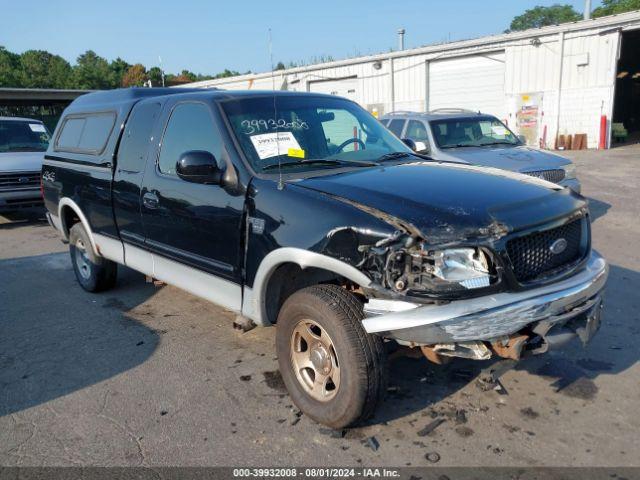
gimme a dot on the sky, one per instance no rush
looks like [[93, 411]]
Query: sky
[[208, 36]]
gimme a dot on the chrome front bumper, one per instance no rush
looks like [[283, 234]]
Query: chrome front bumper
[[491, 317]]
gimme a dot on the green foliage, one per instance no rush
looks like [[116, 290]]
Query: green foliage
[[612, 7], [9, 68], [34, 69], [190, 75], [155, 75], [543, 16], [226, 73], [118, 68], [41, 69], [93, 72]]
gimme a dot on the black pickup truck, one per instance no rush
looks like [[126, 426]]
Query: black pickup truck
[[302, 211]]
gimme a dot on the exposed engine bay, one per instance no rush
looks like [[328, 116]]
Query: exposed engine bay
[[407, 266]]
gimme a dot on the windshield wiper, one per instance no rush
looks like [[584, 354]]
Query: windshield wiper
[[393, 156], [462, 145], [326, 161], [497, 143]]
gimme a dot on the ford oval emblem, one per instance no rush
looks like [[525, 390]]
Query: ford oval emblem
[[23, 179], [558, 246]]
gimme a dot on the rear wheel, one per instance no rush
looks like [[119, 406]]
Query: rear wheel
[[334, 371], [94, 273]]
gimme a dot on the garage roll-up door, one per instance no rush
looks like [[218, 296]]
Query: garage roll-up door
[[474, 82], [344, 87]]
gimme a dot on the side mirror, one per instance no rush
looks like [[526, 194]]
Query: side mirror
[[522, 139], [421, 147], [409, 143], [198, 166]]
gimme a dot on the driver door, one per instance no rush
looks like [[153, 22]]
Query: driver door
[[194, 224]]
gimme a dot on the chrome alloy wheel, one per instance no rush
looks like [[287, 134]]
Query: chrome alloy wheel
[[82, 259], [314, 360]]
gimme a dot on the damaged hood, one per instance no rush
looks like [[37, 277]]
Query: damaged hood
[[448, 202]]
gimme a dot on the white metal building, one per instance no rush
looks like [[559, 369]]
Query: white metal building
[[558, 79]]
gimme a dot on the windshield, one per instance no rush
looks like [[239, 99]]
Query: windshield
[[307, 133], [472, 132], [23, 136]]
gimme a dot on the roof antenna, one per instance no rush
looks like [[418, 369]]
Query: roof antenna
[[275, 115], [161, 70]]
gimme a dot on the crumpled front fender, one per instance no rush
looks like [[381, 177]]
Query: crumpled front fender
[[489, 317]]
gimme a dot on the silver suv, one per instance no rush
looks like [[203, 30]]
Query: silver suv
[[23, 142], [468, 137]]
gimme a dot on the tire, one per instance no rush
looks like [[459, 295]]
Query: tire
[[94, 273], [331, 319]]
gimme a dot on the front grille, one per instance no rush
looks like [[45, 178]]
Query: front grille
[[19, 180], [531, 255], [555, 176]]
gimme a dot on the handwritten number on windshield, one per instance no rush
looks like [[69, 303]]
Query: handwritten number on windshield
[[262, 125]]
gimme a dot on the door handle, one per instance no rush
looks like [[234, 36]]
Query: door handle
[[150, 200]]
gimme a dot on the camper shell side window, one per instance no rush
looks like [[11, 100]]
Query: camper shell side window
[[86, 133]]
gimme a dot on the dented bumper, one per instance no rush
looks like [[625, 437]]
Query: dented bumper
[[495, 316]]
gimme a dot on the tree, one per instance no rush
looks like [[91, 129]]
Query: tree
[[543, 16], [171, 79], [227, 73], [92, 72], [118, 68], [155, 75], [135, 76], [41, 69], [280, 66], [189, 75], [9, 69], [612, 7]]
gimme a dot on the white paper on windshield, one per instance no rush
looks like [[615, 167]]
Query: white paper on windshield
[[37, 127], [499, 130], [273, 144]]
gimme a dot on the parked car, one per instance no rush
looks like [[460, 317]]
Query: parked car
[[302, 211], [458, 135], [23, 142]]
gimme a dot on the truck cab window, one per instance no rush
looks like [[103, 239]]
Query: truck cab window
[[190, 127], [137, 136]]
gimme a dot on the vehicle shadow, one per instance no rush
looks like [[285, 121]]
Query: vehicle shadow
[[597, 208], [57, 344], [417, 384]]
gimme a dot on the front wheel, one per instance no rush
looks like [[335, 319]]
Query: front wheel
[[94, 273], [333, 369]]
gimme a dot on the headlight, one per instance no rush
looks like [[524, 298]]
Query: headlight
[[421, 270], [569, 171], [468, 267]]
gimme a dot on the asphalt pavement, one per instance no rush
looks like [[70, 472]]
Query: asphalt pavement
[[152, 376]]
